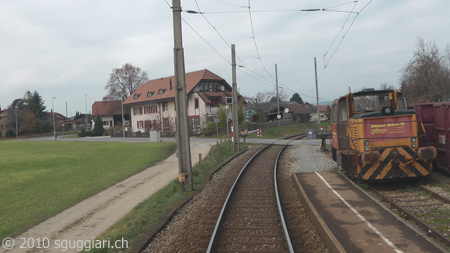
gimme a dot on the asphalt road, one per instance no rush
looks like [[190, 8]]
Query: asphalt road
[[171, 139]]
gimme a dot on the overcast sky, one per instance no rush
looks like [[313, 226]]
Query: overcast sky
[[67, 49]]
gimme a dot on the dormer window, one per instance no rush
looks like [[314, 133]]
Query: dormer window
[[161, 91], [136, 96], [150, 93]]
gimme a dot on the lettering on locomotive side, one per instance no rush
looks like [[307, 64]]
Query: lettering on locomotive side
[[379, 131], [390, 128]]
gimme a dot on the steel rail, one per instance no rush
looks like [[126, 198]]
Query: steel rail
[[419, 221], [216, 228], [283, 222]]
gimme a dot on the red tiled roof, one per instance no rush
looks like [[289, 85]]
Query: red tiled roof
[[295, 107], [168, 84], [323, 108], [106, 108]]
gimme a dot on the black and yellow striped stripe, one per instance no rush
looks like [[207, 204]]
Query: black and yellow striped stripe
[[399, 162]]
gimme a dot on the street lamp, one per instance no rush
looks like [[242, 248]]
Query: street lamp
[[53, 114], [17, 130], [85, 116]]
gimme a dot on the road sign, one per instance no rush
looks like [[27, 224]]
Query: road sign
[[216, 118], [310, 134]]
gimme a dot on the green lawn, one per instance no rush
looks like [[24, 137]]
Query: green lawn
[[39, 179], [292, 129]]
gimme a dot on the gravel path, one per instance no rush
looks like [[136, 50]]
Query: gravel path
[[311, 159]]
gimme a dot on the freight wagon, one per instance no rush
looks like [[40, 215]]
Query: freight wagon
[[435, 130]]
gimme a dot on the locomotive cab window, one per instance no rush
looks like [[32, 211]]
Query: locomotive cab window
[[334, 119], [342, 107]]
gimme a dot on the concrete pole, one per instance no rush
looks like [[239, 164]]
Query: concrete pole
[[123, 122], [184, 151], [85, 116], [53, 114], [17, 130], [235, 100], [278, 102], [317, 95]]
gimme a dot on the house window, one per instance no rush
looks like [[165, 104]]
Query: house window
[[137, 111], [136, 96], [166, 125], [165, 107], [161, 91], [196, 103], [105, 123], [150, 93], [140, 124], [147, 110], [154, 109]]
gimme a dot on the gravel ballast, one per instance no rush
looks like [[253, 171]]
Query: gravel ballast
[[187, 230]]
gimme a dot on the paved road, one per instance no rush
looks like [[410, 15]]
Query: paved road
[[171, 139]]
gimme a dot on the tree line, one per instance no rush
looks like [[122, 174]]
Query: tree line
[[30, 114], [426, 78]]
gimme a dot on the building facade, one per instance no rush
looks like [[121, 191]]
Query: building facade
[[152, 106]]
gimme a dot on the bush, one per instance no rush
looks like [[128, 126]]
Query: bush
[[82, 132], [210, 128], [90, 133]]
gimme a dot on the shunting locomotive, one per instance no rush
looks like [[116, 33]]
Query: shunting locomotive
[[375, 137]]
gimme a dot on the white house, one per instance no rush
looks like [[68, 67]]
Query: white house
[[153, 104]]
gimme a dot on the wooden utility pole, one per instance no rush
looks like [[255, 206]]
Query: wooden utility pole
[[183, 145], [235, 100]]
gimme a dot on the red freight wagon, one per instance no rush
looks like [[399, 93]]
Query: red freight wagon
[[436, 122]]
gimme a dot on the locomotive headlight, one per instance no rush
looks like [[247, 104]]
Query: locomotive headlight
[[366, 145], [413, 142]]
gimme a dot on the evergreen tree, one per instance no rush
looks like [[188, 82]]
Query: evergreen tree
[[98, 128], [296, 98]]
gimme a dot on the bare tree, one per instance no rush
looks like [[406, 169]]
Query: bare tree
[[426, 78], [261, 102], [386, 86], [124, 81]]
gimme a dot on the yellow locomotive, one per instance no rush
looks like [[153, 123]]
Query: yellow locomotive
[[375, 137]]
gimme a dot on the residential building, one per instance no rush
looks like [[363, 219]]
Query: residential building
[[152, 106], [78, 121], [3, 122], [111, 113]]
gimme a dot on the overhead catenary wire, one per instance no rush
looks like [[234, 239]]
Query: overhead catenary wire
[[244, 69], [345, 34]]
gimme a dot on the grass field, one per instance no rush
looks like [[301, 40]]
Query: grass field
[[39, 179], [272, 133]]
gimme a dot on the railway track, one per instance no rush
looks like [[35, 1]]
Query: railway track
[[251, 218], [428, 209]]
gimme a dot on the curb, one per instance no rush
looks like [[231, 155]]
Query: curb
[[328, 237]]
